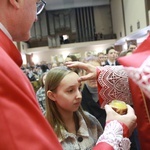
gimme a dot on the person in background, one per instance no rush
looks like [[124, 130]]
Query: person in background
[[61, 64], [39, 71], [129, 52], [72, 57], [23, 125], [44, 68], [132, 47], [111, 57], [31, 76], [90, 99], [101, 57], [117, 55], [54, 64], [41, 92]]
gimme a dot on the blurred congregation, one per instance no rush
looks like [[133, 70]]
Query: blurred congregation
[[35, 71]]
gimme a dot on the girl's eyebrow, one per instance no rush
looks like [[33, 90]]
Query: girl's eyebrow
[[71, 86]]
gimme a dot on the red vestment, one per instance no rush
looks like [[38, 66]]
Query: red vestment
[[22, 124], [135, 66]]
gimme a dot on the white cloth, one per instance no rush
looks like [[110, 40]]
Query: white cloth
[[113, 135]]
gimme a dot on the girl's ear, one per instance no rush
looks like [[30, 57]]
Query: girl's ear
[[15, 3], [50, 95]]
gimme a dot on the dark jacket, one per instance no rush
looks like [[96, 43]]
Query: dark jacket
[[106, 63], [89, 105]]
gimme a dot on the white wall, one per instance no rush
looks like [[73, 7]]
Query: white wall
[[117, 18], [102, 17], [134, 11], [64, 4]]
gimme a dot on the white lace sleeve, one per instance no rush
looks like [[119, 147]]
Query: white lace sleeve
[[113, 135]]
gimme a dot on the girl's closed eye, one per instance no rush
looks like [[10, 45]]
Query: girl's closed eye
[[70, 90], [80, 88]]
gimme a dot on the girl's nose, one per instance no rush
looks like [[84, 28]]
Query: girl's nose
[[79, 96]]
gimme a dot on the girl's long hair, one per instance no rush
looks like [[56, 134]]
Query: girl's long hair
[[53, 79]]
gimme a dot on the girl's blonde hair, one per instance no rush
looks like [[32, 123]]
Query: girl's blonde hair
[[53, 79]]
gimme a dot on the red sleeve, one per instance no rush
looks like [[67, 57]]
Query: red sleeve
[[125, 130], [22, 125], [140, 60], [103, 146]]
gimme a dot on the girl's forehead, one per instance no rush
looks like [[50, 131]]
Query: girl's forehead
[[70, 79]]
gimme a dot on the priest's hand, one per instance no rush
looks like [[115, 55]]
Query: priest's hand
[[91, 72]]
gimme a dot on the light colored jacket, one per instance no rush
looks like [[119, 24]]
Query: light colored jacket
[[86, 136]]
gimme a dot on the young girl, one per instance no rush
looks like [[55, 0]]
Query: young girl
[[74, 128]]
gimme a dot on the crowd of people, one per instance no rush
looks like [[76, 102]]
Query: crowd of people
[[64, 124]]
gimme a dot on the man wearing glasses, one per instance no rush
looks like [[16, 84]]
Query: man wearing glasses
[[22, 124]]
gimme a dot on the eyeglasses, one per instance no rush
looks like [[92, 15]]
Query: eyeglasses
[[40, 6]]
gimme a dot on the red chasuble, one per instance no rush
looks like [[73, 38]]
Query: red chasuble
[[22, 125], [131, 84], [138, 69]]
